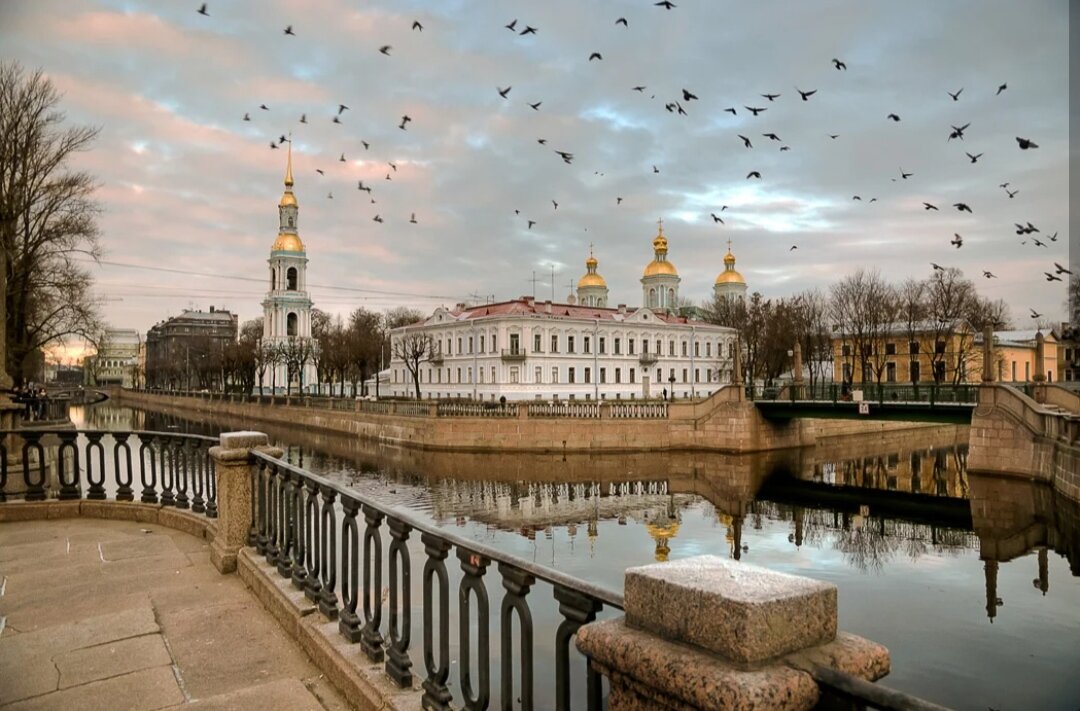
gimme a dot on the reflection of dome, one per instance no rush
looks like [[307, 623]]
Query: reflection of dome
[[662, 531], [287, 242]]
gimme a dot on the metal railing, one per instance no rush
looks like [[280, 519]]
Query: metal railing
[[930, 393], [639, 410], [170, 469], [40, 410], [476, 409], [581, 410], [295, 525]]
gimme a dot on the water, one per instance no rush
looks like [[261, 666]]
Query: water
[[968, 582]]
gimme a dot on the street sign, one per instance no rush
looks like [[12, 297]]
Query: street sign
[[864, 408]]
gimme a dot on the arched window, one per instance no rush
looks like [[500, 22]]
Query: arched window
[[291, 221], [290, 324], [273, 278], [652, 298], [671, 298], [291, 277]]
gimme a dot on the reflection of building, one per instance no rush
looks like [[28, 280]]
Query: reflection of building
[[181, 346], [117, 359], [923, 354], [287, 306]]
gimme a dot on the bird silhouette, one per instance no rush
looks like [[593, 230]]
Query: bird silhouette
[[894, 117], [342, 158], [289, 31], [567, 157], [716, 218], [273, 145], [638, 88], [536, 106], [806, 94], [1032, 228], [1005, 185], [531, 223], [281, 139], [745, 140], [793, 247], [958, 131], [1026, 143], [303, 118], [834, 136], [973, 157], [388, 177], [335, 119], [957, 241], [928, 206], [937, 267], [385, 49], [595, 55], [365, 144], [504, 92], [839, 65], [618, 201], [754, 111], [542, 141], [417, 26], [1060, 269], [412, 219], [1001, 88], [771, 136], [753, 174], [341, 108], [873, 199], [856, 197], [989, 275], [360, 186], [785, 148], [404, 120], [1011, 193], [666, 4], [687, 96], [555, 204], [320, 171], [1034, 313], [247, 117], [731, 110], [330, 195], [771, 97], [956, 96], [904, 175], [962, 207], [264, 107], [622, 21], [202, 10], [1051, 277], [512, 26], [1053, 237], [392, 165], [529, 30], [377, 219], [1037, 243]]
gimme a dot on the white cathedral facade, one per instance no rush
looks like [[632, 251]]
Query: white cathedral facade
[[287, 307], [526, 349]]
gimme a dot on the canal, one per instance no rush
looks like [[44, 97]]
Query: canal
[[973, 583]]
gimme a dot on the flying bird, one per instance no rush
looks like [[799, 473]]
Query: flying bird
[[745, 140], [655, 169], [856, 197], [622, 21], [273, 145], [392, 165], [512, 26], [731, 110], [1010, 193], [771, 136], [957, 241], [904, 175], [288, 31], [247, 117], [360, 186], [377, 219], [330, 195], [687, 96], [531, 223], [716, 218], [365, 144], [839, 65], [1051, 277], [973, 157], [1038, 243], [834, 136], [956, 96], [928, 206], [412, 219], [404, 120], [264, 107], [1060, 269], [595, 55], [504, 92], [567, 157], [1053, 237], [555, 204], [894, 117], [1002, 88], [805, 94], [341, 108], [303, 118], [320, 171], [385, 49], [542, 141], [937, 267], [754, 111], [536, 106], [666, 4], [873, 199], [785, 148], [989, 275], [958, 131], [962, 207], [335, 120], [202, 10], [753, 174], [417, 26], [638, 88], [793, 247], [618, 201], [1026, 143], [342, 158], [1005, 185], [1034, 313], [529, 30], [771, 97]]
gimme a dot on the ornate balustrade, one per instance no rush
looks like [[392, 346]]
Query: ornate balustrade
[[581, 410], [476, 409], [638, 410]]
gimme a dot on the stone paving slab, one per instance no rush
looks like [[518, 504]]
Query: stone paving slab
[[106, 615]]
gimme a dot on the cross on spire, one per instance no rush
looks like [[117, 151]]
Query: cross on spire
[[729, 245], [660, 224]]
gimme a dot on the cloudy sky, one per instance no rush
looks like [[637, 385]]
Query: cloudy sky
[[187, 185]]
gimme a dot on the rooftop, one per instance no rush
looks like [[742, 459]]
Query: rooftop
[[527, 306]]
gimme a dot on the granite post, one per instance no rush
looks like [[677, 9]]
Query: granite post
[[797, 370], [234, 464], [713, 634], [988, 354]]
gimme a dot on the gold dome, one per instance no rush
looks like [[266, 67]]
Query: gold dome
[[729, 275], [659, 244], [287, 242], [591, 280], [287, 199], [656, 267], [591, 262], [660, 265]]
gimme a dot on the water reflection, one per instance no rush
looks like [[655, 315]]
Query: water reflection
[[925, 554]]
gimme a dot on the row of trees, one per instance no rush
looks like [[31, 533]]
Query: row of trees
[[867, 310]]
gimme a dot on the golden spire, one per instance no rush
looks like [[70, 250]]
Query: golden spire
[[288, 166]]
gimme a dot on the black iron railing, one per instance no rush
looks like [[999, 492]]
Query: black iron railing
[[339, 565], [929, 393], [164, 468]]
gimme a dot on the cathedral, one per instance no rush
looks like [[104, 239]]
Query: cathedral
[[584, 349], [287, 306]]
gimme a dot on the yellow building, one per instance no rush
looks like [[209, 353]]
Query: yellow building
[[903, 355]]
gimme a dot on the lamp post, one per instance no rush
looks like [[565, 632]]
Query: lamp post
[[671, 391]]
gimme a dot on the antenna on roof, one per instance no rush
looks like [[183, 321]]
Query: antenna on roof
[[533, 280], [552, 281]]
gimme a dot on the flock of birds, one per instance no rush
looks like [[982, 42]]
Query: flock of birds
[[678, 106]]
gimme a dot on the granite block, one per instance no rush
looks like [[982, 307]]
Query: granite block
[[744, 613]]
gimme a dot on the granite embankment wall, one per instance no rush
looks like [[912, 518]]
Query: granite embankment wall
[[722, 423]]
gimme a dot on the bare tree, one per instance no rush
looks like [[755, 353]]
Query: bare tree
[[47, 220], [413, 350], [949, 302], [912, 317]]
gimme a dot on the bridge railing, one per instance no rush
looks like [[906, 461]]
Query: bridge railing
[[930, 393], [39, 411]]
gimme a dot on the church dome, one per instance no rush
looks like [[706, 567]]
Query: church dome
[[660, 266], [591, 278], [657, 267], [287, 242], [729, 275], [287, 199]]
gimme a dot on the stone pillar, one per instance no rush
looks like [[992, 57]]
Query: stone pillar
[[988, 355], [710, 633], [796, 370], [234, 464]]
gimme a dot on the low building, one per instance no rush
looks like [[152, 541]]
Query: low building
[[184, 352], [117, 359], [1016, 357]]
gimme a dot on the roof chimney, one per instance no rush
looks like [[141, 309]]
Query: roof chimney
[[211, 308], [547, 306], [622, 308], [530, 300]]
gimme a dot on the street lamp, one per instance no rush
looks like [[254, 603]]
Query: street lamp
[[671, 392]]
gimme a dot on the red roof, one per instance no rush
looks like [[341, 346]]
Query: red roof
[[528, 307]]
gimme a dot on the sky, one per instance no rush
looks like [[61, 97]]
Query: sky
[[187, 185]]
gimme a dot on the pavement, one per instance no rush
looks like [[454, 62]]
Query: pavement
[[98, 614]]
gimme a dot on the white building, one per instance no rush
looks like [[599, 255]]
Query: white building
[[287, 306], [526, 349], [117, 359]]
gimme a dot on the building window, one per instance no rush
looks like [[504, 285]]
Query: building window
[[939, 347], [603, 345], [459, 375], [570, 375], [569, 344], [480, 374], [291, 278], [588, 375], [290, 324], [1014, 371], [618, 375], [845, 351], [513, 374], [659, 375], [633, 375], [939, 372], [493, 375], [539, 375], [671, 348], [684, 349], [468, 372], [916, 376], [847, 372], [618, 346], [697, 349], [554, 375], [890, 349], [555, 344], [913, 348], [536, 343], [603, 375], [697, 375], [470, 345], [890, 372], [481, 344], [1027, 371], [460, 350], [587, 344], [708, 349], [515, 341], [630, 346], [684, 375]]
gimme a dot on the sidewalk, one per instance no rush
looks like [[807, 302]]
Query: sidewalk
[[99, 614]]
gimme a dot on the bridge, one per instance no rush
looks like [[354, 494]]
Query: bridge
[[80, 396], [935, 402]]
